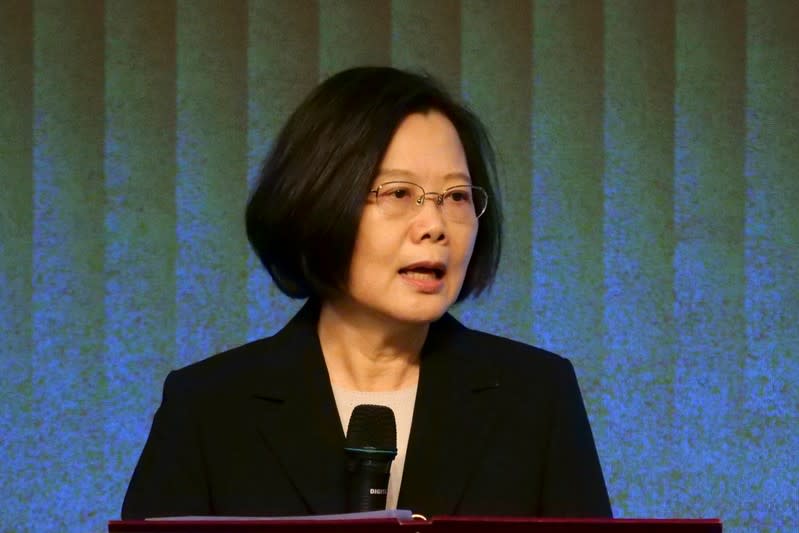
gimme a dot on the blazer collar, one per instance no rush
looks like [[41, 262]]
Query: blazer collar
[[297, 415], [453, 416]]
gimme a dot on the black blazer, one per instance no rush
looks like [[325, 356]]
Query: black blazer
[[498, 428]]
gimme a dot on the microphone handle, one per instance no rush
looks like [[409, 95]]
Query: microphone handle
[[368, 483]]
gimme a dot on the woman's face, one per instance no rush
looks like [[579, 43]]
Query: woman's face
[[411, 267]]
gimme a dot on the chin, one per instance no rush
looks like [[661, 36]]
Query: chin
[[417, 312]]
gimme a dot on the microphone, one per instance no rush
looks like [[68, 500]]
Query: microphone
[[371, 446]]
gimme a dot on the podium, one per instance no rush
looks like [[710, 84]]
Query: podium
[[437, 524]]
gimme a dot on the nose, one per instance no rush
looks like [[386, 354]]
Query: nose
[[429, 221]]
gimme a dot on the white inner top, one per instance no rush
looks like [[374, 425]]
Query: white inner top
[[401, 402]]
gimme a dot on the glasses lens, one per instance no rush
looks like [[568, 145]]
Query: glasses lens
[[464, 203], [397, 197]]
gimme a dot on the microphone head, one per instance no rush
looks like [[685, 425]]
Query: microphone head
[[372, 427]]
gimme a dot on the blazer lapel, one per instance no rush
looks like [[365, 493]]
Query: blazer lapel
[[297, 415], [454, 416]]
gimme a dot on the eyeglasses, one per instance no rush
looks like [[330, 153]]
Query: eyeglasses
[[461, 203]]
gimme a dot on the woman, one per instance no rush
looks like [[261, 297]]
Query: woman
[[377, 204]]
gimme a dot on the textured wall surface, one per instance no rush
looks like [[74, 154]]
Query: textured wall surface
[[649, 156]]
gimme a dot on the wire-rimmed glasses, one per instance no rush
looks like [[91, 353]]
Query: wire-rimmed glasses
[[461, 203]]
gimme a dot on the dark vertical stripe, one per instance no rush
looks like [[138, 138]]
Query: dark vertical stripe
[[709, 268], [69, 384], [17, 433], [497, 85], [639, 250], [568, 162], [427, 36], [769, 414], [283, 66], [353, 33], [140, 226], [211, 189]]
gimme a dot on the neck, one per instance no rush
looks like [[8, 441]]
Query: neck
[[369, 352]]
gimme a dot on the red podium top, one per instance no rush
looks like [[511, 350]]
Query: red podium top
[[443, 524]]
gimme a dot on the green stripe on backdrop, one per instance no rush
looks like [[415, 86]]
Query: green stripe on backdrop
[[16, 251], [69, 383], [497, 84], [357, 32], [639, 250], [769, 418], [283, 66], [568, 162], [426, 36], [140, 248], [709, 268], [211, 188]]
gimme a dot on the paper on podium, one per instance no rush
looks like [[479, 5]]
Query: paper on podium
[[398, 514]]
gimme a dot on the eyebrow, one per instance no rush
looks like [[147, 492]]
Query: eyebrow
[[408, 174]]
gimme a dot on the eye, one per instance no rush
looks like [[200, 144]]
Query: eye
[[395, 192], [460, 196]]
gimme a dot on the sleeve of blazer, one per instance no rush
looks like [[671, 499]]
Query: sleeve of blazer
[[169, 478], [573, 484]]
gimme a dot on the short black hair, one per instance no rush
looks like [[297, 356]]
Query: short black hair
[[302, 218]]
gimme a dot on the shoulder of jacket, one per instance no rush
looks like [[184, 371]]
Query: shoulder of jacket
[[512, 355], [225, 371]]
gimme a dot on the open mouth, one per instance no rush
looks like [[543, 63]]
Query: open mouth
[[423, 272]]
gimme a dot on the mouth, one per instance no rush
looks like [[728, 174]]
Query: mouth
[[425, 270]]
